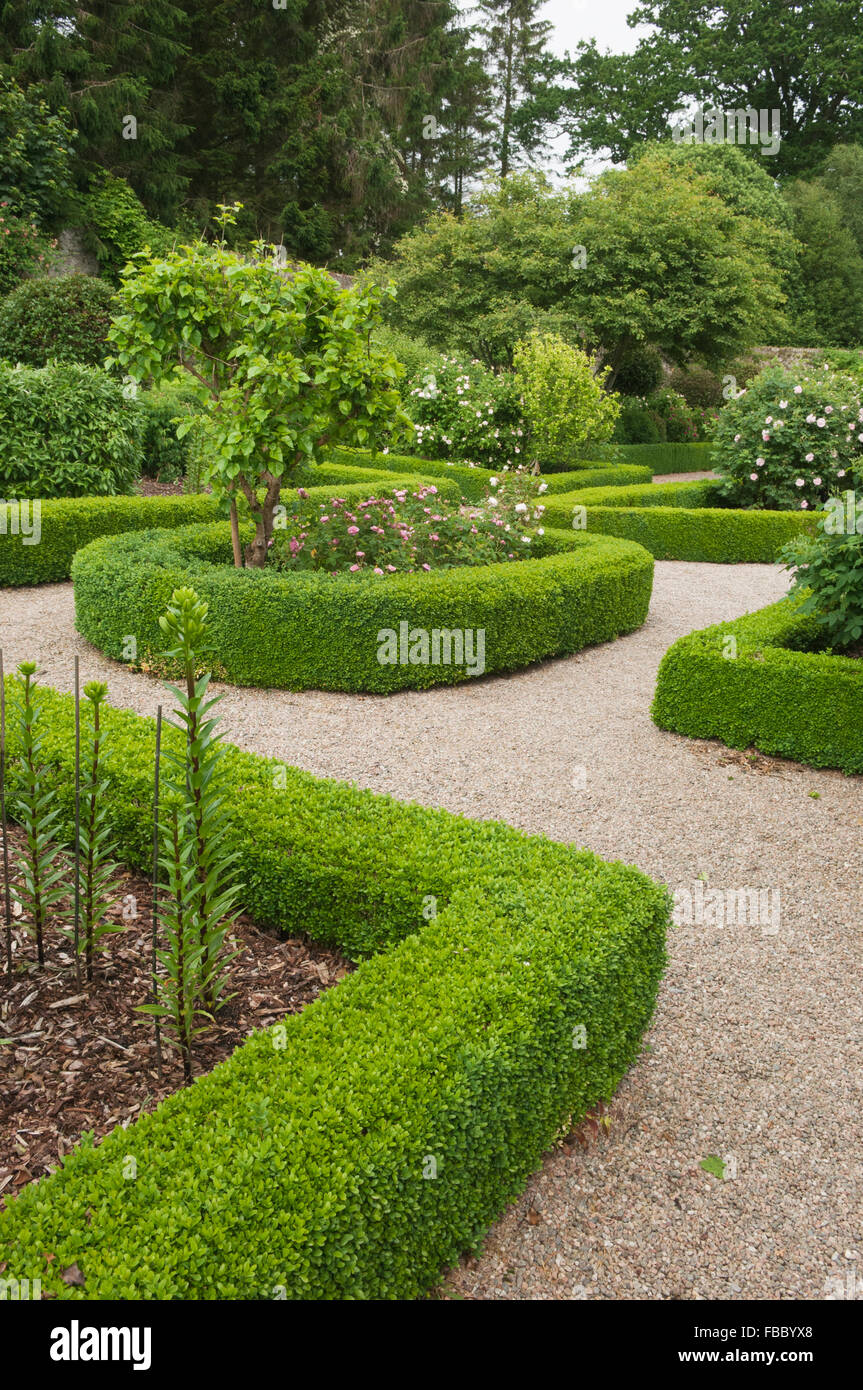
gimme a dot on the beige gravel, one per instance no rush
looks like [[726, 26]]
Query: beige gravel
[[756, 1049]]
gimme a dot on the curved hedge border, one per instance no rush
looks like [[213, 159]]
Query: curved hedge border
[[320, 631], [474, 481], [70, 523], [775, 694], [303, 1160]]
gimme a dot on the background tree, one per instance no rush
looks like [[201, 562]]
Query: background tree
[[520, 66], [826, 292], [806, 60], [479, 284], [103, 63], [667, 262]]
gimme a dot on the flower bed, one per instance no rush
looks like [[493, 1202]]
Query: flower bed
[[361, 1146], [314, 630], [761, 682]]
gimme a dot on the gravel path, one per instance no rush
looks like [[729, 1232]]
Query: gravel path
[[756, 1049]]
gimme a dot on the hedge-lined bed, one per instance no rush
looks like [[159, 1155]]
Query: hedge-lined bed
[[70, 523], [311, 630], [778, 693], [303, 1162]]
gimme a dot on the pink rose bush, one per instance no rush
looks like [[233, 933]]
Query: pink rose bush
[[790, 441], [406, 532]]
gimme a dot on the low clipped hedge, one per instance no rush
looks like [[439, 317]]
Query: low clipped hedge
[[691, 494], [358, 1148], [474, 482], [67, 524], [686, 529], [313, 630], [771, 689], [669, 458]]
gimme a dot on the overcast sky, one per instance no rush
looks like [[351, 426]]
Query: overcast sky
[[573, 20], [603, 20]]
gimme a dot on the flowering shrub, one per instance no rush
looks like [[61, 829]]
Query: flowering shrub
[[789, 441], [466, 413], [404, 533], [23, 249]]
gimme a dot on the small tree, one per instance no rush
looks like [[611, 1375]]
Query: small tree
[[281, 356], [565, 407]]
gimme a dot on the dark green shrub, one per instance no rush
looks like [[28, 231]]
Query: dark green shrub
[[636, 424], [66, 431], [698, 386], [640, 373], [761, 681], [677, 423], [302, 1167], [64, 317], [164, 455]]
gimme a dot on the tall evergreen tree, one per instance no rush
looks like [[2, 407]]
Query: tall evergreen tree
[[112, 65], [521, 68]]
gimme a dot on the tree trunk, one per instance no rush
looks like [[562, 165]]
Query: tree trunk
[[235, 535], [256, 550]]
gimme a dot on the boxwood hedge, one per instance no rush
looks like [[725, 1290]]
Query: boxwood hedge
[[321, 631], [474, 481], [719, 535], [669, 458], [358, 1148], [770, 689]]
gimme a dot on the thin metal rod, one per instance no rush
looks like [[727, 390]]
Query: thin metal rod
[[77, 824], [155, 896], [7, 901]]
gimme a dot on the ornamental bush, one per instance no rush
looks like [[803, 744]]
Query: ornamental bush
[[566, 409], [789, 440], [66, 431], [166, 455], [640, 372], [465, 411], [64, 318]]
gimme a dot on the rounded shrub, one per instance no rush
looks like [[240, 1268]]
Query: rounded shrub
[[66, 431], [314, 630], [64, 317], [640, 373], [789, 441], [636, 424], [698, 386], [165, 456]]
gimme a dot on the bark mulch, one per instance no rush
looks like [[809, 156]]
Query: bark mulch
[[82, 1059]]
